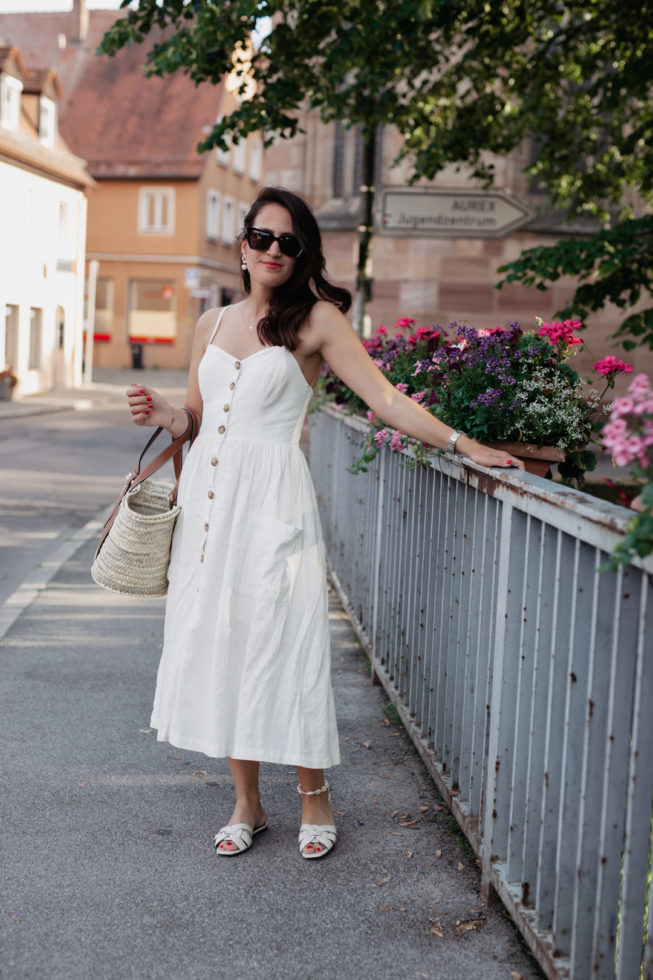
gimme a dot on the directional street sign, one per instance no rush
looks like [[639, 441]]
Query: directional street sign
[[449, 213]]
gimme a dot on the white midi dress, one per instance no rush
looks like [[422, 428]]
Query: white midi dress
[[245, 667]]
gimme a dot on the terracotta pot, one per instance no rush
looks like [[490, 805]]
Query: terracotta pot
[[537, 459], [6, 387]]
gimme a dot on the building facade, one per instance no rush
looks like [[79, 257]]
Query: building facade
[[162, 218], [440, 278], [43, 190]]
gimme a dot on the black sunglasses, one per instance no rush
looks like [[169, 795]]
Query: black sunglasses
[[261, 241]]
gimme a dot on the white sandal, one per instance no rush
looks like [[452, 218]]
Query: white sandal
[[324, 835], [239, 834]]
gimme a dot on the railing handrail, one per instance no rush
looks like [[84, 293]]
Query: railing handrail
[[604, 514], [522, 672]]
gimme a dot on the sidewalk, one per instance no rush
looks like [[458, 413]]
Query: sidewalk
[[109, 871], [106, 390]]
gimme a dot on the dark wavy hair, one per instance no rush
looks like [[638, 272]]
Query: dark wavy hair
[[292, 301]]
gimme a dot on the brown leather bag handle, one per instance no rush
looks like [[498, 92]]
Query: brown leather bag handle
[[137, 476]]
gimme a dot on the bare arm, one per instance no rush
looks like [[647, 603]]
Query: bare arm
[[148, 407], [344, 353]]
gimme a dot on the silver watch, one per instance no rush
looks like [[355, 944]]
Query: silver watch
[[453, 439]]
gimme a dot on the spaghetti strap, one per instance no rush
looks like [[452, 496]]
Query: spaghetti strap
[[216, 327]]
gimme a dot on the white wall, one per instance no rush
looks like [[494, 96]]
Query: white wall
[[42, 267]]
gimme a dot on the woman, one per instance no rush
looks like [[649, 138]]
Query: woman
[[244, 671]]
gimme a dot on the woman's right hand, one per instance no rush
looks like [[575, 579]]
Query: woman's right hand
[[148, 407]]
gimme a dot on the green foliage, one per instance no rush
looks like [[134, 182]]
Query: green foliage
[[614, 265], [458, 79], [360, 61]]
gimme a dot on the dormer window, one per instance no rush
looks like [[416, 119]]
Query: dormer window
[[10, 90], [47, 121]]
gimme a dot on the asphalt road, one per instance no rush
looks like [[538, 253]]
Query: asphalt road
[[108, 872]]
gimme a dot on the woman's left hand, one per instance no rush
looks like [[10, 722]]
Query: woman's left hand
[[485, 456]]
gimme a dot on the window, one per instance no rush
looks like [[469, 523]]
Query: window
[[11, 336], [35, 340], [104, 309], [239, 156], [10, 89], [156, 210], [228, 219], [47, 121], [242, 212], [152, 311], [255, 158], [223, 156], [67, 229], [348, 160], [212, 215]]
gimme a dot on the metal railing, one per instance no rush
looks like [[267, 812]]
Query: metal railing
[[524, 675]]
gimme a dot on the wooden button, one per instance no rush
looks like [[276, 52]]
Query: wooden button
[[214, 461], [211, 495], [237, 365], [201, 557], [226, 408], [206, 527], [232, 386], [221, 429]]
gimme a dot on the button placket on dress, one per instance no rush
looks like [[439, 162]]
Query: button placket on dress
[[215, 458]]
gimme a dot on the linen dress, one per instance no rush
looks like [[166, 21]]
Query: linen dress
[[245, 667]]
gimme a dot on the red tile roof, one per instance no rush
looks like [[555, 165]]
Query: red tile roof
[[123, 124]]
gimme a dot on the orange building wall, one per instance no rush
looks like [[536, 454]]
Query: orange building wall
[[124, 253]]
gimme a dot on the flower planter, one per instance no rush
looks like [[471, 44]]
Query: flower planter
[[537, 459], [7, 383]]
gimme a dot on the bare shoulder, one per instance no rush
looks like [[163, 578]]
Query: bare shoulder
[[324, 323], [208, 320], [204, 328]]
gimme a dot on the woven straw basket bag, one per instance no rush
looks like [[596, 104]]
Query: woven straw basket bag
[[135, 555], [134, 550]]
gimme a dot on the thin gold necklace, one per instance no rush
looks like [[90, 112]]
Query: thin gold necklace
[[250, 326]]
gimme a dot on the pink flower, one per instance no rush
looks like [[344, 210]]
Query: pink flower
[[621, 452], [622, 406], [419, 396], [557, 331], [371, 416], [640, 385], [378, 361], [616, 428], [610, 365], [381, 437], [396, 442], [403, 323], [380, 331], [403, 388]]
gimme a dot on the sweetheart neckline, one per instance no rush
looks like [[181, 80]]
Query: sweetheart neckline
[[263, 350]]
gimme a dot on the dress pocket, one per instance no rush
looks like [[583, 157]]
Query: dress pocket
[[266, 564]]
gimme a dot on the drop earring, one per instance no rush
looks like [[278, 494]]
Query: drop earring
[[243, 263]]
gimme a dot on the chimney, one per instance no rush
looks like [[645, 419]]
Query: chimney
[[80, 22]]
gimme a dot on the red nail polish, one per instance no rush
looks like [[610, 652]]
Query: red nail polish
[[142, 390], [148, 398], [147, 413], [508, 462]]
